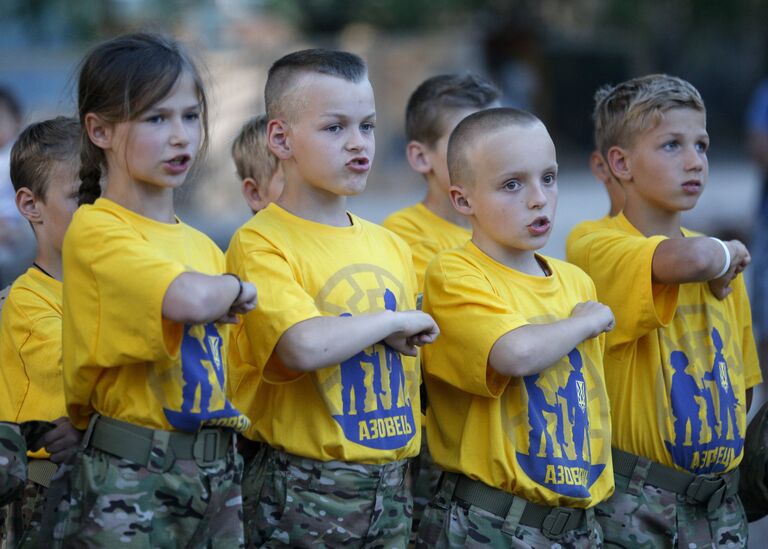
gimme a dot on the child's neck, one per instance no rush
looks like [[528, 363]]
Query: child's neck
[[438, 202], [149, 201], [315, 205], [48, 260], [520, 260], [651, 220]]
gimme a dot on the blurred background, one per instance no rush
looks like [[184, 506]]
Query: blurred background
[[547, 56]]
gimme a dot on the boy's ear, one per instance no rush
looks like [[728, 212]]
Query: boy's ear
[[26, 203], [99, 131], [420, 162], [277, 139], [460, 199], [253, 194], [618, 163]]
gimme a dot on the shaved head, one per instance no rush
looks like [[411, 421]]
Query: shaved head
[[279, 94], [473, 128]]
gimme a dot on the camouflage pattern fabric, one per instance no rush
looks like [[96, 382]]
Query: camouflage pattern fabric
[[13, 462], [23, 519], [449, 523], [105, 501], [425, 478], [305, 502], [253, 480], [639, 515], [753, 483]]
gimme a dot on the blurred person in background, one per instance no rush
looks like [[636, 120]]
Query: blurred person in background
[[11, 223], [757, 135]]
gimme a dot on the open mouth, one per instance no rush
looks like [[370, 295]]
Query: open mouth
[[539, 226], [359, 164], [178, 164]]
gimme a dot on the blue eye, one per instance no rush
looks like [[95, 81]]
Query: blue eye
[[670, 145], [702, 146], [512, 185], [192, 116], [549, 179], [155, 118], [335, 128], [367, 126]]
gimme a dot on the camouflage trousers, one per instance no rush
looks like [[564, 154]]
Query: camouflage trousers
[[644, 516], [255, 460], [106, 501], [425, 478], [23, 517], [450, 523], [305, 502], [13, 462]]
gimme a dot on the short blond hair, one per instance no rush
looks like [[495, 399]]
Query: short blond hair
[[624, 111], [250, 152]]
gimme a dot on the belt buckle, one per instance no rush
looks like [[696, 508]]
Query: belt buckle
[[555, 523], [707, 490], [206, 446]]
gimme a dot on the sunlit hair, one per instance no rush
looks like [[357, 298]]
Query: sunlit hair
[[38, 148], [475, 126], [122, 78], [284, 73], [438, 97], [625, 111], [250, 152]]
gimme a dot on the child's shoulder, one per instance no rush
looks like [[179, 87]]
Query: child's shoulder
[[405, 219], [32, 296], [458, 262]]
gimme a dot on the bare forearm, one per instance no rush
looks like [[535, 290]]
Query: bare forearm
[[196, 298], [535, 347], [682, 260], [323, 341]]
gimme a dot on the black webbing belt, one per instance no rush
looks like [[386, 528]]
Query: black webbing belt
[[554, 522], [708, 490]]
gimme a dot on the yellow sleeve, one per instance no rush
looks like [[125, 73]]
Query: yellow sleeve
[[114, 285], [621, 266], [752, 373], [283, 302], [471, 317], [131, 278], [14, 382]]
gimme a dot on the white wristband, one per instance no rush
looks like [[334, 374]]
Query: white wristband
[[727, 263]]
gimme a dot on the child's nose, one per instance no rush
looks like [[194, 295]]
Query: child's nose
[[537, 197]]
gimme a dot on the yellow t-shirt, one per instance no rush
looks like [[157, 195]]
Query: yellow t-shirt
[[545, 437], [364, 410], [121, 358], [426, 233], [30, 350], [678, 362]]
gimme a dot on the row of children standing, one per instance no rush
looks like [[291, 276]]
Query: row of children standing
[[165, 353]]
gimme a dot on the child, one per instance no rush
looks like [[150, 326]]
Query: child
[[144, 300], [434, 109], [682, 358], [603, 174], [333, 342], [44, 166], [518, 414], [258, 169], [433, 225]]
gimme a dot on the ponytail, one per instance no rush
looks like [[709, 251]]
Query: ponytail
[[91, 160]]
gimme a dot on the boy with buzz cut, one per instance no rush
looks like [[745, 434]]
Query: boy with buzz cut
[[433, 110], [44, 171], [681, 361], [518, 414], [331, 380], [258, 169]]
